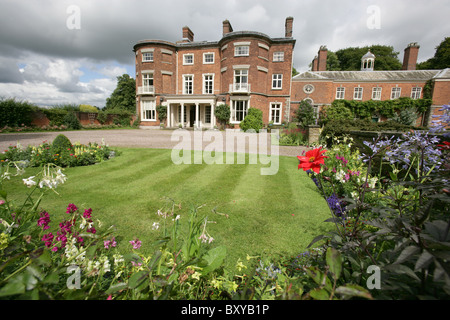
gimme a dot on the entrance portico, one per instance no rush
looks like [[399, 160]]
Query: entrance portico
[[196, 112]]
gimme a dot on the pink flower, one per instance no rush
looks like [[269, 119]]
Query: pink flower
[[110, 243], [87, 213], [47, 239], [136, 244], [2, 202], [71, 208], [44, 220]]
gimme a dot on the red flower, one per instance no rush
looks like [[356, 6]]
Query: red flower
[[445, 146], [312, 160]]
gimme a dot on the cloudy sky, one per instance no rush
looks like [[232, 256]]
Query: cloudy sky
[[69, 51]]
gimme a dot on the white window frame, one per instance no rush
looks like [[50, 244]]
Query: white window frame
[[187, 55], [148, 110], [241, 74], [234, 111], [148, 55], [275, 107], [396, 93], [277, 81], [278, 56], [416, 92], [340, 93], [208, 78], [241, 50], [358, 93], [205, 54], [376, 93], [188, 79]]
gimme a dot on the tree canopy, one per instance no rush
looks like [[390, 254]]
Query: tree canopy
[[124, 96], [441, 59], [349, 59]]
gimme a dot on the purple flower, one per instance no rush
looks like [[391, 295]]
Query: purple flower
[[47, 239], [87, 213], [136, 244], [110, 243]]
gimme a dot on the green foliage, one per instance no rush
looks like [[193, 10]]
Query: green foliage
[[407, 117], [15, 113], [337, 111], [386, 58], [305, 114], [162, 112], [71, 121], [253, 120], [223, 113], [441, 58], [60, 144], [88, 108], [292, 137], [124, 96]]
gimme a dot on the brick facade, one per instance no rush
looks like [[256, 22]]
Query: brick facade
[[246, 69], [243, 69]]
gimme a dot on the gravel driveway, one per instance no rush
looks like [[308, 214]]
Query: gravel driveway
[[138, 138]]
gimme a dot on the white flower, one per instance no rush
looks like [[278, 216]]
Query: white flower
[[155, 226], [29, 182]]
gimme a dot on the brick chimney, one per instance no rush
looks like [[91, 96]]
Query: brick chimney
[[227, 28], [314, 64], [188, 35], [288, 27], [322, 59], [410, 57]]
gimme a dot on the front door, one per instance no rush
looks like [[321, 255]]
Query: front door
[[192, 116]]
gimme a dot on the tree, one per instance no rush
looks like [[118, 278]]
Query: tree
[[333, 63], [253, 120], [386, 58], [305, 114], [124, 96], [223, 113], [441, 59]]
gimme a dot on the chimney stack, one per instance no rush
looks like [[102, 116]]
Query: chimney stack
[[188, 35], [288, 27], [227, 28], [410, 57], [314, 64], [322, 59]]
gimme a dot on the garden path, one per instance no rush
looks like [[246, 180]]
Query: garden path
[[160, 139]]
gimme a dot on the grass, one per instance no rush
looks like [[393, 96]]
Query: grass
[[274, 214]]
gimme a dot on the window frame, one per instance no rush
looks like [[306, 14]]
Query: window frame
[[148, 53], [186, 81], [206, 81], [273, 109], [234, 111], [184, 59], [277, 83], [396, 93], [358, 93], [239, 53], [376, 93], [415, 91], [204, 58], [151, 109], [340, 91], [278, 56]]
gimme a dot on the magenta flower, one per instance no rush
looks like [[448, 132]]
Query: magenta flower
[[44, 220], [91, 230], [110, 243], [71, 208], [87, 213], [136, 244], [47, 239]]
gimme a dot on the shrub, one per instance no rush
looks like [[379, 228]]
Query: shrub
[[88, 108], [60, 144], [15, 113], [71, 121], [337, 111], [305, 114], [253, 120], [223, 113]]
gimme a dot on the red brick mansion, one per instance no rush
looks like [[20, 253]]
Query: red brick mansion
[[248, 69]]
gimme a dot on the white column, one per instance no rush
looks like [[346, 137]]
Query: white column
[[197, 115], [168, 116], [213, 117], [182, 115]]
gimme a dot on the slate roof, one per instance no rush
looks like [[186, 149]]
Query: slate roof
[[373, 76]]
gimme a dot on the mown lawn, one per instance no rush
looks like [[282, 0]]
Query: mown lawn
[[274, 214]]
